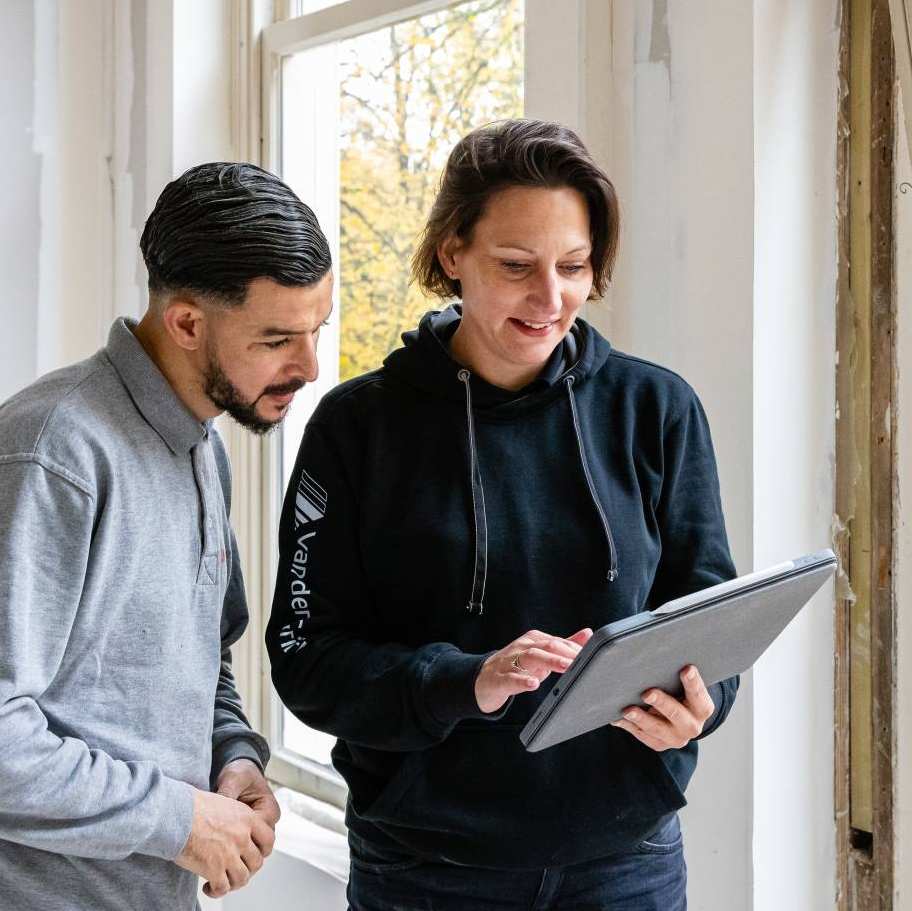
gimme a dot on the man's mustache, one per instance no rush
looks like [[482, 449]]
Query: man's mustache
[[284, 389]]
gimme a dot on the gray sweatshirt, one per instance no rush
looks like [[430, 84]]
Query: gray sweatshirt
[[120, 593]]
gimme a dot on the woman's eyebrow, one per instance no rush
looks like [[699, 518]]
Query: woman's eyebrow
[[579, 249]]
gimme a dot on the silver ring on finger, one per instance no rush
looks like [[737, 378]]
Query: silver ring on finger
[[516, 663]]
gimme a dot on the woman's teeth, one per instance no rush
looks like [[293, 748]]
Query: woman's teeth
[[534, 325]]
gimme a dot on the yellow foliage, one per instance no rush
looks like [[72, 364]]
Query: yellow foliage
[[430, 81]]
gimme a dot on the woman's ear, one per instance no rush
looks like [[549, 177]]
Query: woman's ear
[[446, 256]]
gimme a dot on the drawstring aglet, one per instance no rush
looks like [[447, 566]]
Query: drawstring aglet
[[612, 575], [470, 607]]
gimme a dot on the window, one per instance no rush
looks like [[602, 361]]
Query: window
[[361, 116]]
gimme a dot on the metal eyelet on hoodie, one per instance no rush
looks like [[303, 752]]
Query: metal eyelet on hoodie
[[480, 575], [612, 552]]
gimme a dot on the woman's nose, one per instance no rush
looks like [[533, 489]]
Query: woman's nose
[[547, 293]]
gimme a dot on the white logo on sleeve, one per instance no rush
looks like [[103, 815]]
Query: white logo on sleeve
[[310, 506], [310, 500]]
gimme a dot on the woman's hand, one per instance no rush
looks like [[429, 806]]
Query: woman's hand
[[522, 665], [669, 723]]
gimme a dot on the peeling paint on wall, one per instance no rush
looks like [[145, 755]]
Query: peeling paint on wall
[[660, 42]]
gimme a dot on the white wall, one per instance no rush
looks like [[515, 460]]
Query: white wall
[[682, 159], [20, 226], [68, 235], [722, 145], [795, 275]]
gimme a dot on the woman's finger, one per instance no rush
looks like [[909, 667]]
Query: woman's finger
[[653, 725], [569, 646], [696, 694], [666, 705], [652, 742], [518, 682], [560, 646], [679, 715], [581, 638], [541, 662]]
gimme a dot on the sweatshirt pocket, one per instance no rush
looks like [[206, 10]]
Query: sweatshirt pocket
[[489, 801]]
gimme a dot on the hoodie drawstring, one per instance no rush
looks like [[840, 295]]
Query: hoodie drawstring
[[480, 577], [612, 552]]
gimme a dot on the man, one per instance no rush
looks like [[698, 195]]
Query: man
[[120, 586]]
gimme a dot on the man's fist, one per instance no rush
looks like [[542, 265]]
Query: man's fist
[[227, 844]]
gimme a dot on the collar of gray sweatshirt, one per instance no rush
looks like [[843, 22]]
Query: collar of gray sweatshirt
[[120, 593]]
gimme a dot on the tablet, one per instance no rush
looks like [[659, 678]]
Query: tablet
[[721, 630]]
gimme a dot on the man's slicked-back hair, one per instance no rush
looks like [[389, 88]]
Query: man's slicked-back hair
[[220, 225], [515, 153]]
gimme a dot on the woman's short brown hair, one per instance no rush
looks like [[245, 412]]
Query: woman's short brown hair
[[515, 153]]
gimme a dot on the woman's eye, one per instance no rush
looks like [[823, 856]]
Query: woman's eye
[[279, 344], [573, 268], [514, 267]]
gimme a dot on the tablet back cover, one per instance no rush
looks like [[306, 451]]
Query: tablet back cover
[[721, 640]]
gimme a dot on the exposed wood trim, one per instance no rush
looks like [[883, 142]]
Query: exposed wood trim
[[865, 472], [883, 435], [844, 324]]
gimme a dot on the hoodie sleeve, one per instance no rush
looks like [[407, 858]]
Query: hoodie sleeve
[[695, 553], [56, 792], [330, 663]]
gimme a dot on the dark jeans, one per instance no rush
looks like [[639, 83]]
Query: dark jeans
[[651, 877]]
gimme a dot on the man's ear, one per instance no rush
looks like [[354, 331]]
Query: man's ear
[[185, 322]]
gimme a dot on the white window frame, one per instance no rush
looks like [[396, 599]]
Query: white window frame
[[567, 54]]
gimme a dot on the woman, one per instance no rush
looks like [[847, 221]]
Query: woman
[[505, 477]]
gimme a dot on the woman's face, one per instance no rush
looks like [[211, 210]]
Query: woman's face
[[524, 275]]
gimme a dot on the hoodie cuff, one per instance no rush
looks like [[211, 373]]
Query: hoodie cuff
[[717, 694], [448, 689], [170, 836], [241, 747]]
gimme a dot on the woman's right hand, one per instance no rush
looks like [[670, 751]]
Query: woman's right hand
[[522, 665]]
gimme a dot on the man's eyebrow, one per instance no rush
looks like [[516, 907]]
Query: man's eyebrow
[[271, 331]]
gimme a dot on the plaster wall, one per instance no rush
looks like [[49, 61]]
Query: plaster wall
[[681, 155], [795, 103], [20, 221], [723, 152]]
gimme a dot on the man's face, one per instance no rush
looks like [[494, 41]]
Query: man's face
[[259, 354]]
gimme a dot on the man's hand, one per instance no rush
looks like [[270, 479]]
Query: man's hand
[[227, 843], [522, 665], [670, 724], [242, 780]]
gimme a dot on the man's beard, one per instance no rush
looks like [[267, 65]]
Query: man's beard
[[225, 395]]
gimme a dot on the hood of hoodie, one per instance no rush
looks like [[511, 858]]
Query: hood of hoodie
[[424, 362]]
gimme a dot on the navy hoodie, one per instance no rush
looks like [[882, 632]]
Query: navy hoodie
[[431, 519]]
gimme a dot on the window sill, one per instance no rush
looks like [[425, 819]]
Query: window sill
[[313, 832]]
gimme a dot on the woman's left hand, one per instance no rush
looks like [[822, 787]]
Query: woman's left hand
[[669, 723]]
